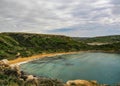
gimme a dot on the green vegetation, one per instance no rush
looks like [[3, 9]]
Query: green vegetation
[[101, 39], [114, 47], [13, 45], [103, 43]]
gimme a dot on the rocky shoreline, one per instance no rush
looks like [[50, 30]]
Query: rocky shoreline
[[22, 79]]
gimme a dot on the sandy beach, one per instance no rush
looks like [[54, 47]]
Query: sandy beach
[[22, 60]]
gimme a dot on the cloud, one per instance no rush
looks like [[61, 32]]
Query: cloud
[[60, 16], [116, 6], [91, 30]]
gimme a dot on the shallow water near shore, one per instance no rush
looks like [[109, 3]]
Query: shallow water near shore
[[103, 67]]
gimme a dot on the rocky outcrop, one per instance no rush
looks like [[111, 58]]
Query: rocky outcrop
[[81, 83], [30, 77], [4, 63], [19, 78], [10, 75]]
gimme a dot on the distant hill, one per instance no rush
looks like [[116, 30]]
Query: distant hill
[[13, 45], [101, 39], [102, 43]]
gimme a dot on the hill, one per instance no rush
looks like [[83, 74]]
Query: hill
[[13, 45], [102, 43], [101, 39]]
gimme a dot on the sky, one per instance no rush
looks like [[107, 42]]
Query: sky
[[78, 18]]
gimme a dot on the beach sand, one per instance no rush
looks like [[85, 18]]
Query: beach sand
[[22, 60]]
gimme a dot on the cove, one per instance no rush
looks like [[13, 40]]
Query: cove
[[103, 67]]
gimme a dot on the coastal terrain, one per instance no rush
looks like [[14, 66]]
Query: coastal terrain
[[20, 48]]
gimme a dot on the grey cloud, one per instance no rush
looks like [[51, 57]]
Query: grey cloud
[[116, 2], [116, 6], [11, 9], [92, 30], [116, 10], [55, 15]]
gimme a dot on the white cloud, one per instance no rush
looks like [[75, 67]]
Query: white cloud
[[43, 15]]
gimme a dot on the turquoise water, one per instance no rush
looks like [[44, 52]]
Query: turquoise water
[[103, 67]]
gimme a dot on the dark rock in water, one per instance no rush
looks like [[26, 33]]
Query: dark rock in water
[[36, 62], [69, 64]]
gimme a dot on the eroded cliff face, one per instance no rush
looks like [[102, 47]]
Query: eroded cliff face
[[10, 75]]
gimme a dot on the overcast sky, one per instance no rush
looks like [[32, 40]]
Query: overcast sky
[[66, 17]]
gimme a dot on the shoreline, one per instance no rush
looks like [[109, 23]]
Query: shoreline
[[22, 60]]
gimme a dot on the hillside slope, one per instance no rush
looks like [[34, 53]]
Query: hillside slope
[[13, 45], [102, 43], [101, 39]]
